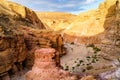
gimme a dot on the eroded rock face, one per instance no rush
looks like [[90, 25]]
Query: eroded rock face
[[20, 36], [32, 17], [36, 39], [12, 49], [19, 43], [45, 67], [19, 46], [56, 20], [21, 13]]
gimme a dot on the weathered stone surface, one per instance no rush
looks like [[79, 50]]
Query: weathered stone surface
[[18, 46], [46, 68], [35, 39], [56, 20], [32, 17], [20, 36], [4, 8], [13, 49], [17, 9], [21, 13]]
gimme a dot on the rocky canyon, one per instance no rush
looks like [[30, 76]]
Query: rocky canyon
[[59, 46]]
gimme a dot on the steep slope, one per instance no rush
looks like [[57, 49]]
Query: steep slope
[[92, 22], [88, 23], [21, 13], [56, 20], [21, 33]]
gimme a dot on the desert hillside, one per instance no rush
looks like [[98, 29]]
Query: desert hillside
[[56, 20], [55, 15], [88, 23]]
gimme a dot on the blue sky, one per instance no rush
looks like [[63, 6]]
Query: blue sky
[[71, 6]]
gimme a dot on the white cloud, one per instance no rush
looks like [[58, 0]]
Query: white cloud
[[75, 12], [73, 6], [89, 1]]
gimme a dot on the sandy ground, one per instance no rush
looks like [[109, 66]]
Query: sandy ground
[[78, 52]]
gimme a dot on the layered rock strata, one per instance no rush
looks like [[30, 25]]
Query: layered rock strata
[[20, 36], [36, 39], [17, 47]]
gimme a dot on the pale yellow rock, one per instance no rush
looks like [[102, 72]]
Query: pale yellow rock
[[4, 8], [87, 24], [10, 8], [18, 9]]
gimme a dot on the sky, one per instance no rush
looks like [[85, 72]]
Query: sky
[[70, 6]]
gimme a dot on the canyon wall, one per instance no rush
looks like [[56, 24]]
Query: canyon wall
[[21, 33], [99, 26]]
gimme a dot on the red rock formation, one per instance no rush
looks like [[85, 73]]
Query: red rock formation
[[35, 39], [45, 67]]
